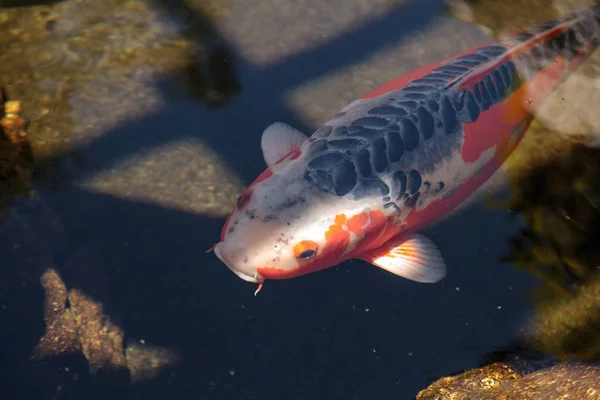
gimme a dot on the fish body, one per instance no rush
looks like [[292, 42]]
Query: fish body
[[398, 159]]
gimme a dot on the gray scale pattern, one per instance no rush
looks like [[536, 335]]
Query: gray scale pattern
[[400, 140]]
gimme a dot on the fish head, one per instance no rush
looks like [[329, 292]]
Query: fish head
[[284, 226]]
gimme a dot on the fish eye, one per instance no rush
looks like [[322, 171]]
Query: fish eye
[[307, 254], [306, 249]]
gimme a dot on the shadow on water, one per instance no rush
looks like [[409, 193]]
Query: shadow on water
[[211, 75], [235, 132]]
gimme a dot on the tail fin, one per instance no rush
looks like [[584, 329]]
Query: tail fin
[[550, 54]]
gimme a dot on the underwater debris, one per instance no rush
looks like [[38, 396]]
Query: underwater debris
[[76, 323]]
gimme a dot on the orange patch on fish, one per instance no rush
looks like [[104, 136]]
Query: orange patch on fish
[[357, 223], [374, 232], [492, 128], [337, 237], [375, 228], [504, 125]]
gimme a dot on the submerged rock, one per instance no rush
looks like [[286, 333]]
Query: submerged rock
[[568, 380], [76, 323], [479, 380]]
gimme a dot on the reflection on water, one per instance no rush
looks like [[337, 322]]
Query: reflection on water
[[553, 182], [142, 113], [555, 193], [553, 185], [558, 243], [558, 198]]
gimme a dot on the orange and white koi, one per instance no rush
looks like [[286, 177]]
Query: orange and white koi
[[398, 159]]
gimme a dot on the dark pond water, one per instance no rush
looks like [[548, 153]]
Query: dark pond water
[[349, 332]]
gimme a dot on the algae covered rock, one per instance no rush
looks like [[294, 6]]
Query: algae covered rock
[[461, 386], [76, 323], [501, 381]]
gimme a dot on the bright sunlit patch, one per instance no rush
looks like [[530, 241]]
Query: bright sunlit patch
[[288, 24], [186, 175]]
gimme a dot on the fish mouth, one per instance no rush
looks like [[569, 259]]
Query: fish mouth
[[246, 277]]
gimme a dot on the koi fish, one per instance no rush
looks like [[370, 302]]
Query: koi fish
[[398, 159]]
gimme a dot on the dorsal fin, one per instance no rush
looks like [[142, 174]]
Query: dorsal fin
[[479, 72]]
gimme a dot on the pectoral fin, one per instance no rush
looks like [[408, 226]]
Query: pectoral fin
[[278, 140], [411, 256]]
